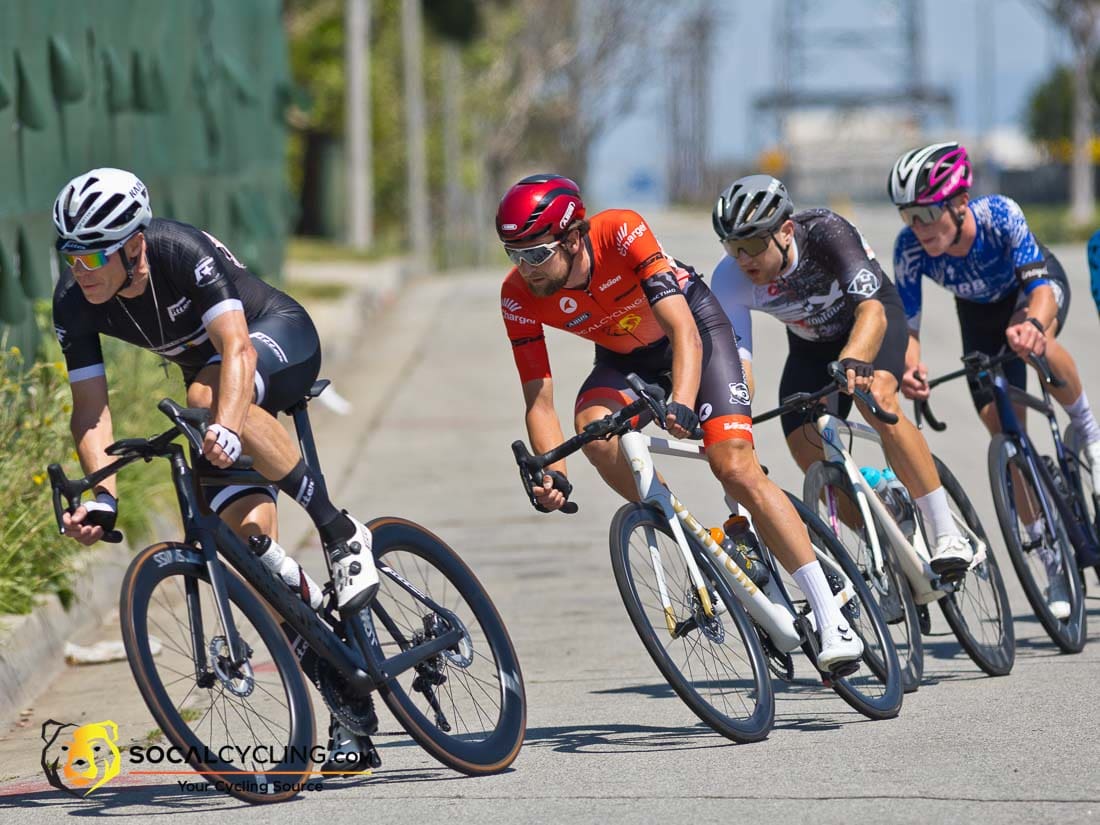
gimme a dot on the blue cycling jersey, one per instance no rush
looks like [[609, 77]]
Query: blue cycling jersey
[[1003, 258]]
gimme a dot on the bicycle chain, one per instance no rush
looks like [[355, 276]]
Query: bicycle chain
[[356, 713]]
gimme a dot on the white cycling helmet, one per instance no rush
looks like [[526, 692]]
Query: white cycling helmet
[[99, 209]]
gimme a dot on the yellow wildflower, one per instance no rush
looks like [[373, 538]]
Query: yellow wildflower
[[39, 479]]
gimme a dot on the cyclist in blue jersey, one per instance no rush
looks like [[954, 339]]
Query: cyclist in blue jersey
[[1094, 268], [1008, 288]]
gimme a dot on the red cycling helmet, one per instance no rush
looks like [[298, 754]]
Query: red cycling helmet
[[538, 204]]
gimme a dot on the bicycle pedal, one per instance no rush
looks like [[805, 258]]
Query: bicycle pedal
[[845, 670]]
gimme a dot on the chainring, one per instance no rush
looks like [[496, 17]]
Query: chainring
[[354, 712]]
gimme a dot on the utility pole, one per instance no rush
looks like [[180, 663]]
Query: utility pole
[[357, 129], [412, 46], [456, 221]]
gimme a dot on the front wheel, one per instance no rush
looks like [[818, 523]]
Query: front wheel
[[828, 489], [229, 719], [466, 705], [1038, 562], [977, 605], [714, 663]]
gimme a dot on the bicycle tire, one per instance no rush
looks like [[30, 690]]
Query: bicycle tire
[[760, 702], [986, 582], [467, 753], [1079, 464], [880, 657], [1069, 635], [149, 569], [892, 593]]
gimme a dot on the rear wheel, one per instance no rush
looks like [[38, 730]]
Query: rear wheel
[[466, 705], [875, 690], [829, 490], [977, 605], [715, 664], [1017, 501]]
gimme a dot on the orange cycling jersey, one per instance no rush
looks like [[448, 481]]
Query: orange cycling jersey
[[630, 272]]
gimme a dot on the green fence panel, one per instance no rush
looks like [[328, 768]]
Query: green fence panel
[[189, 95]]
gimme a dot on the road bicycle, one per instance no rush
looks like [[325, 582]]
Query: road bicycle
[[228, 687], [712, 632], [1054, 491], [894, 558]]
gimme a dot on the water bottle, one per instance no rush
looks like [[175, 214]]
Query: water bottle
[[902, 506], [276, 560], [741, 545]]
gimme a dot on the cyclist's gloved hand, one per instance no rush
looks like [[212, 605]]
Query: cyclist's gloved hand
[[681, 420], [860, 374], [102, 512], [554, 493], [222, 446]]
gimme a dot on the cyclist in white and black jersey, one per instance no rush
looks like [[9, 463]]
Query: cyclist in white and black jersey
[[246, 351], [814, 272]]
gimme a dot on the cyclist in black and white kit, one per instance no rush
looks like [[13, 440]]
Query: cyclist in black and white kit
[[246, 351], [814, 272]]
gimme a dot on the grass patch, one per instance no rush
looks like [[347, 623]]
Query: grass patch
[[306, 291], [1051, 224], [35, 404], [311, 249]]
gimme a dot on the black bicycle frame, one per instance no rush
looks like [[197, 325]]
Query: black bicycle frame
[[205, 531]]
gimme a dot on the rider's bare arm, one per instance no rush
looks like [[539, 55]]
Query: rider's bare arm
[[674, 316], [91, 427], [867, 332], [1042, 305], [543, 426], [229, 335]]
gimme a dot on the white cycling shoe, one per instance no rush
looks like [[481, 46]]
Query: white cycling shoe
[[839, 646], [1058, 597], [354, 576], [952, 556]]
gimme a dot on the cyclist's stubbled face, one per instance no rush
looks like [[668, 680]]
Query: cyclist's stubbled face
[[765, 267], [99, 285], [551, 275]]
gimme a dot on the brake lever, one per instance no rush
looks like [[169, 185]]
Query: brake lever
[[530, 474], [62, 487], [1043, 366], [840, 376]]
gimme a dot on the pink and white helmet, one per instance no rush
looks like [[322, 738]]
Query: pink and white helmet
[[930, 174]]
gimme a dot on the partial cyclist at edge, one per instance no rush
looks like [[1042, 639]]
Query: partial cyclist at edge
[[607, 279], [1008, 288], [246, 351], [813, 271]]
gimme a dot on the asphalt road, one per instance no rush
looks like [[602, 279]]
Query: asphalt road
[[435, 405]]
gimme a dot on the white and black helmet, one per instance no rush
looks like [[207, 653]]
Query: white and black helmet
[[99, 209], [753, 205]]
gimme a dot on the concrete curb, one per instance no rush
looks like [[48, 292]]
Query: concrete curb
[[31, 646]]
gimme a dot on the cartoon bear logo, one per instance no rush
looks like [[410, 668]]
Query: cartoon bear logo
[[80, 759]]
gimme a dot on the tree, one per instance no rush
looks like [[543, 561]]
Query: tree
[[1081, 20]]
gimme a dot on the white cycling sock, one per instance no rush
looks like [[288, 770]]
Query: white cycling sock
[[1034, 530], [1080, 413], [811, 580], [937, 513]]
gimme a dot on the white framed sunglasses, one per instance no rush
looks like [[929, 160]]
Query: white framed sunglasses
[[532, 255]]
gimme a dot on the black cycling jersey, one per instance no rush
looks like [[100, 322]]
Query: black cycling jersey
[[193, 278], [831, 271]]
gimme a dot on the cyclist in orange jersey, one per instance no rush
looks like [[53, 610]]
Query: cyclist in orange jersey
[[607, 279]]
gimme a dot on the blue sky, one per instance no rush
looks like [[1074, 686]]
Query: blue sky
[[1024, 48]]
